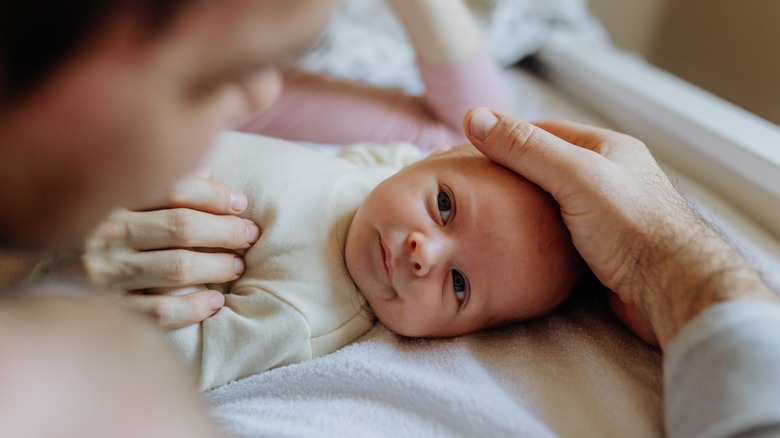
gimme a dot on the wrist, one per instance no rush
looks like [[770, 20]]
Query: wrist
[[687, 269], [62, 263]]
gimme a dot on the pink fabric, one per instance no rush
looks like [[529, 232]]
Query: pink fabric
[[317, 108]]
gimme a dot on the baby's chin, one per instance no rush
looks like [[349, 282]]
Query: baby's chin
[[417, 327], [397, 326], [377, 295]]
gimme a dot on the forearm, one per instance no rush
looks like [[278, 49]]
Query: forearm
[[451, 90], [455, 66], [688, 268], [441, 31], [327, 110]]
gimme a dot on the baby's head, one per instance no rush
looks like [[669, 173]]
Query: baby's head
[[456, 243]]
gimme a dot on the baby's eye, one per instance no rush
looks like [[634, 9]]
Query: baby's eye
[[444, 205], [459, 285]]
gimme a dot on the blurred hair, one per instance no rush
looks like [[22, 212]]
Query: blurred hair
[[37, 36]]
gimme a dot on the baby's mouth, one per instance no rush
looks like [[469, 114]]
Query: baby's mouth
[[386, 260]]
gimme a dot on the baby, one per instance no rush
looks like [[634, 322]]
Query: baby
[[448, 245]]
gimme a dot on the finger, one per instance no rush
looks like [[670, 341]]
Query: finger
[[202, 194], [178, 311], [170, 268], [579, 134], [615, 146], [179, 228], [548, 161]]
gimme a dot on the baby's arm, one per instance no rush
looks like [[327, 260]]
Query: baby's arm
[[457, 71], [442, 32], [454, 63]]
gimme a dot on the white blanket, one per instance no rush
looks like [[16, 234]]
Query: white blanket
[[577, 373], [366, 42]]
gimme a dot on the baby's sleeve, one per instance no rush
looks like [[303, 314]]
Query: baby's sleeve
[[319, 109], [453, 89], [254, 331]]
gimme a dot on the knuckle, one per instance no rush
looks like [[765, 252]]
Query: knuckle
[[105, 272], [97, 271], [620, 145], [519, 134], [115, 228], [182, 226], [176, 194], [163, 313], [181, 269], [220, 194], [606, 148], [173, 197], [190, 311], [173, 312], [629, 144], [169, 311], [94, 270]]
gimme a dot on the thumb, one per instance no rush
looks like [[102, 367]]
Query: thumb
[[546, 160]]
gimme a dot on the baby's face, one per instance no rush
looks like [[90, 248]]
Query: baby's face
[[456, 243]]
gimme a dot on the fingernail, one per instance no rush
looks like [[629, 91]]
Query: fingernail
[[482, 122], [252, 232], [238, 201], [216, 300], [238, 265]]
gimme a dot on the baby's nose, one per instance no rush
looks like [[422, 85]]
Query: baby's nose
[[425, 251]]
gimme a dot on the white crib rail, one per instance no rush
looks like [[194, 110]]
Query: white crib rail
[[727, 149]]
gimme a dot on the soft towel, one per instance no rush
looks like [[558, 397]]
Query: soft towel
[[576, 373]]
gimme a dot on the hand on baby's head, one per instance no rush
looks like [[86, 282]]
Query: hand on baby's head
[[456, 243]]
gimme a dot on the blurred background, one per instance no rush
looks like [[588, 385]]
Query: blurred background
[[730, 48]]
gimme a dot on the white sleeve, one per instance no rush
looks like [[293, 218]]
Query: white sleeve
[[722, 373]]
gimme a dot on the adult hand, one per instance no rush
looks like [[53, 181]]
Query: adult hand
[[637, 234], [188, 237]]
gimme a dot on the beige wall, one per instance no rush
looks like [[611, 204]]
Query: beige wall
[[633, 24], [729, 47]]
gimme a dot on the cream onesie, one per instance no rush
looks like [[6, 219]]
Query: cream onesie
[[295, 300]]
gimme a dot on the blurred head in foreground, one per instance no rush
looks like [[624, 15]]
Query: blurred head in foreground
[[118, 98]]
